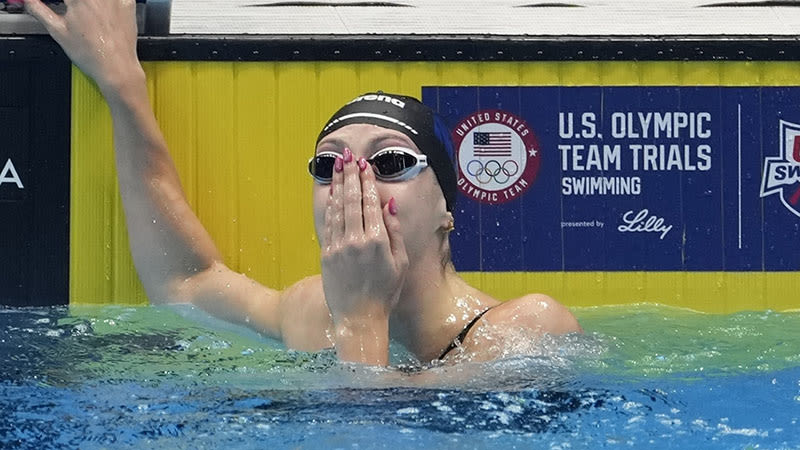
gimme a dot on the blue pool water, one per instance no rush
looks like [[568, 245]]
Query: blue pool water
[[641, 376]]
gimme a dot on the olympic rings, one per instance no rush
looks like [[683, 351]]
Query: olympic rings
[[492, 170]]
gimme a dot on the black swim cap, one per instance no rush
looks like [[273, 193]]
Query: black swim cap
[[410, 117]]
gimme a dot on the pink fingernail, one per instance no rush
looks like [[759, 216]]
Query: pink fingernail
[[362, 164], [392, 207], [339, 164], [348, 155]]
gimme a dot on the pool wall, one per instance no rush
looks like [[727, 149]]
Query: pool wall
[[35, 86], [241, 133]]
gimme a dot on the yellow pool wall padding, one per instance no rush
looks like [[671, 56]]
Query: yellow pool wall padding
[[241, 134]]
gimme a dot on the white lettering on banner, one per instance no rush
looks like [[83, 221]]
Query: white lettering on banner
[[583, 224], [479, 194], [482, 117], [645, 157], [566, 128], [601, 185], [638, 141], [642, 222], [471, 122], [9, 175], [671, 157], [590, 157], [669, 125]]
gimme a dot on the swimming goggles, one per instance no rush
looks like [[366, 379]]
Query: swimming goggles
[[389, 164]]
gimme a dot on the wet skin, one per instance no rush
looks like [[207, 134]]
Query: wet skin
[[420, 203], [370, 232], [383, 245]]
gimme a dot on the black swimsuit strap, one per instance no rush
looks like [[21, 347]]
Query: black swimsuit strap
[[460, 338]]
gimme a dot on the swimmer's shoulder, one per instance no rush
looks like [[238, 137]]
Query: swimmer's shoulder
[[304, 315], [304, 289], [538, 312], [499, 331]]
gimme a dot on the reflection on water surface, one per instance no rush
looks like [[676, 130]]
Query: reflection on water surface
[[643, 375]]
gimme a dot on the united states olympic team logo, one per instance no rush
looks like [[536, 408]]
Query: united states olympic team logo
[[497, 155], [782, 173]]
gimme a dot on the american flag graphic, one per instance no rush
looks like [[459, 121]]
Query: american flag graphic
[[493, 143]]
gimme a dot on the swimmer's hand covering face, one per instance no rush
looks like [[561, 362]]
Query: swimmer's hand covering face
[[99, 36], [410, 117], [364, 262]]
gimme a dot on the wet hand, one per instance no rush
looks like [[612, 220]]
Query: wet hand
[[99, 36], [364, 260]]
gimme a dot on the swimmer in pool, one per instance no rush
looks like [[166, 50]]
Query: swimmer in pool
[[384, 190]]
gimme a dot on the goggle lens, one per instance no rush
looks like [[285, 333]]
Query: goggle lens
[[321, 167], [392, 163], [389, 164]]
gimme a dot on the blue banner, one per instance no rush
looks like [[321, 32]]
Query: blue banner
[[625, 178]]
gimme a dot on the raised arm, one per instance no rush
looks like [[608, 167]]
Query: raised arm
[[173, 253]]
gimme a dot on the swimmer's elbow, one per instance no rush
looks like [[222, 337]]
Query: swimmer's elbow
[[185, 289], [168, 293]]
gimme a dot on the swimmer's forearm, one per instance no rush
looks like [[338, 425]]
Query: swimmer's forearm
[[167, 241], [166, 238]]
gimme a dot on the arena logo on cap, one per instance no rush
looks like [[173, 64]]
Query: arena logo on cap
[[497, 155], [379, 98], [782, 173]]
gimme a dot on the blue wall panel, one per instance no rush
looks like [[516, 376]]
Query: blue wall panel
[[629, 178]]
